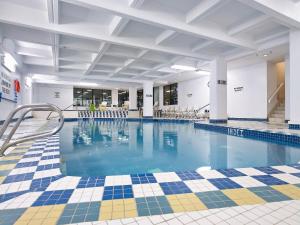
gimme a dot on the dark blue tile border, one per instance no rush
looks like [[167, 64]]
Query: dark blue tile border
[[294, 126], [279, 138], [218, 121]]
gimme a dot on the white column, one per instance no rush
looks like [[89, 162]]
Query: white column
[[294, 79], [218, 91], [287, 88], [148, 99], [114, 97], [132, 98]]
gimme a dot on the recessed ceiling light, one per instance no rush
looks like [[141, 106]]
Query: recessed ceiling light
[[87, 84], [181, 67], [264, 53], [202, 72]]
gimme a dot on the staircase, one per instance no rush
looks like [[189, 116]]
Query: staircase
[[277, 116]]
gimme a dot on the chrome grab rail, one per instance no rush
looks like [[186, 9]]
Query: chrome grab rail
[[29, 108], [275, 92]]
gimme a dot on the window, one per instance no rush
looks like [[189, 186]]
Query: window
[[86, 96], [140, 98], [123, 96], [170, 94]]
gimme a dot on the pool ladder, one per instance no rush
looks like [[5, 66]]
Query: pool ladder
[[26, 109]]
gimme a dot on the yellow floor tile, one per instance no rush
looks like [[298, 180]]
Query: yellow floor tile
[[106, 203], [105, 216], [39, 215], [50, 221], [7, 167], [118, 215], [185, 202], [289, 190], [118, 208], [243, 196], [36, 222], [12, 157], [118, 202], [131, 213]]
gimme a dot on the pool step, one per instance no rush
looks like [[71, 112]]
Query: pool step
[[278, 115]]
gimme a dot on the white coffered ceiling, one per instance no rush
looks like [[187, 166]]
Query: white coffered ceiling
[[131, 41]]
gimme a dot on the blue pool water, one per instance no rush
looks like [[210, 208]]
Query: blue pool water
[[94, 148]]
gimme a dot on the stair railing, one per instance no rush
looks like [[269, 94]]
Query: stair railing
[[275, 92]]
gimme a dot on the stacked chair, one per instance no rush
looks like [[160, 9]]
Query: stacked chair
[[189, 113], [111, 113]]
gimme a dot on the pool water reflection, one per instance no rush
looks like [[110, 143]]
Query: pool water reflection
[[95, 147]]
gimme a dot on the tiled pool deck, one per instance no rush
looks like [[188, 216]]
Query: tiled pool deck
[[33, 191]]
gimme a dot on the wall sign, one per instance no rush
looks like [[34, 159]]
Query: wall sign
[[7, 87], [56, 94], [236, 89], [189, 95], [222, 82], [236, 132], [148, 95]]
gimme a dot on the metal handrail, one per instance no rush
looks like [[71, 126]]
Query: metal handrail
[[32, 107], [198, 110], [275, 92], [48, 117]]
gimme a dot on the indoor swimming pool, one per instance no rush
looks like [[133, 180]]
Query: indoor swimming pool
[[116, 147]]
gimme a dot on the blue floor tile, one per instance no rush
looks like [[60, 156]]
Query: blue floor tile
[[179, 187], [224, 183]]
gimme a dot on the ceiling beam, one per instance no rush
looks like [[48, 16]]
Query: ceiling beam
[[202, 45], [165, 35], [118, 24], [272, 37], [136, 3], [53, 18], [103, 47], [248, 25], [129, 62], [35, 52], [74, 75], [35, 19], [164, 21], [202, 10], [286, 13], [53, 11]]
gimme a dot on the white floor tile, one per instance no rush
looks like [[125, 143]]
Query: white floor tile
[[166, 177]]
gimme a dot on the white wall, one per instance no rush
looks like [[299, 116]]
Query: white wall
[[45, 93], [24, 97], [191, 93], [251, 102]]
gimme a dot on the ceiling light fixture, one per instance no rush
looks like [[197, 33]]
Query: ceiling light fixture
[[264, 53], [202, 72], [181, 67], [190, 68], [87, 84]]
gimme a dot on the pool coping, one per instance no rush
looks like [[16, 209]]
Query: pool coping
[[257, 134], [45, 152]]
